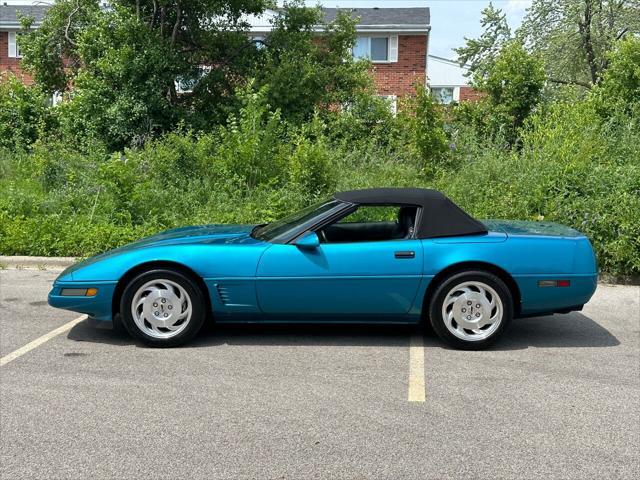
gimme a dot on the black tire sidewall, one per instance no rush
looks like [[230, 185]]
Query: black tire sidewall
[[197, 305], [441, 291]]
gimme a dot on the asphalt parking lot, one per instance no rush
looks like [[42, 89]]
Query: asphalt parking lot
[[559, 397]]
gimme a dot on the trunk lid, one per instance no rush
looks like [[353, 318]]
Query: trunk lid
[[528, 228]]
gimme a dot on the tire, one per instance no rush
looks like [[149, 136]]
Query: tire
[[163, 308], [471, 309]]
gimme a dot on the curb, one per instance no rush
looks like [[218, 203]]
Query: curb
[[60, 263], [36, 263], [619, 279]]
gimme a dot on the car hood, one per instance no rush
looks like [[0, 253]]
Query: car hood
[[210, 234], [197, 233]]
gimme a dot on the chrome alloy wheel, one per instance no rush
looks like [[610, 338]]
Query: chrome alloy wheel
[[161, 308], [472, 311]]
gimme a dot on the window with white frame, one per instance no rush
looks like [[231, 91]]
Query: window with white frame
[[258, 41], [377, 49], [444, 95], [14, 48]]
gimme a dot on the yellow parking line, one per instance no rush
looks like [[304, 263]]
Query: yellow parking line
[[40, 340], [416, 369]]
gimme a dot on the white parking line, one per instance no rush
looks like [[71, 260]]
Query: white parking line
[[416, 369], [40, 340]]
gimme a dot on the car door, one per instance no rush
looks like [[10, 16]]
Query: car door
[[373, 278]]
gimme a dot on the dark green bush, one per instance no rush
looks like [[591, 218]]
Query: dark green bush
[[23, 113], [570, 170]]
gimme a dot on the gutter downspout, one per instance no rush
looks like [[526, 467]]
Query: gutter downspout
[[426, 60]]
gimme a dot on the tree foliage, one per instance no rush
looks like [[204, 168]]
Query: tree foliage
[[479, 53], [23, 113], [304, 71], [575, 37], [572, 37], [123, 64], [513, 83], [619, 90]]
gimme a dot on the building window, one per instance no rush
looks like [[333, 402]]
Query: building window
[[443, 95], [376, 49], [14, 48], [258, 41]]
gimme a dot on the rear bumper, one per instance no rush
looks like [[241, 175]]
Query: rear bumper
[[98, 306], [536, 299]]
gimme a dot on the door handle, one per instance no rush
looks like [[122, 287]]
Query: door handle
[[405, 254]]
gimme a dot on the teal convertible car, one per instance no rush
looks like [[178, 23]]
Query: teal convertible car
[[364, 256]]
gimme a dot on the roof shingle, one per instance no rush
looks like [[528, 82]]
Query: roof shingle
[[10, 14], [419, 17], [371, 17]]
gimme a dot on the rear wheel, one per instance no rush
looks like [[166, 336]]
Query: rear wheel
[[471, 309], [162, 308]]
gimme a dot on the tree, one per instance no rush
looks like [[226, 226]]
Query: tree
[[123, 89], [480, 53], [513, 83], [425, 121], [122, 64], [23, 113], [305, 71], [618, 92], [574, 37]]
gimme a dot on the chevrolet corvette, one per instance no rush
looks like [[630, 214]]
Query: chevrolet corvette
[[384, 255]]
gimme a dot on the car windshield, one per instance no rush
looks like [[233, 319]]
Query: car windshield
[[272, 232]]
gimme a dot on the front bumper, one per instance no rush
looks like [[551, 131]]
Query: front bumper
[[98, 306]]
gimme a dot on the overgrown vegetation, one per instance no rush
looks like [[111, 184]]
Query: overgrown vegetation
[[110, 165]]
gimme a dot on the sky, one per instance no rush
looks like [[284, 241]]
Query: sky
[[451, 20]]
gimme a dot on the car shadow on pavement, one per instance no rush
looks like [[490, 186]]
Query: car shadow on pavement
[[570, 330], [562, 331], [99, 332], [266, 334]]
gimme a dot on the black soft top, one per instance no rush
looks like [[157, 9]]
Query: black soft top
[[440, 216]]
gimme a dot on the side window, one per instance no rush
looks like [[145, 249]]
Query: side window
[[372, 214], [371, 223]]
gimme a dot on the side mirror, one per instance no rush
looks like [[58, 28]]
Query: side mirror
[[308, 241]]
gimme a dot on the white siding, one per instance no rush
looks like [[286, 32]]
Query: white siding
[[445, 73]]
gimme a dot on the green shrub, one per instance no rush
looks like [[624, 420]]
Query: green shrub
[[619, 90], [426, 124], [23, 113], [570, 170]]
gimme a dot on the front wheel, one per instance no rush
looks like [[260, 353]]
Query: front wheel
[[162, 308], [470, 310]]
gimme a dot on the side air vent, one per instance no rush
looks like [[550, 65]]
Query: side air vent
[[223, 293]]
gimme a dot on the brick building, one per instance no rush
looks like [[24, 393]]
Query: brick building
[[396, 40], [10, 13]]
